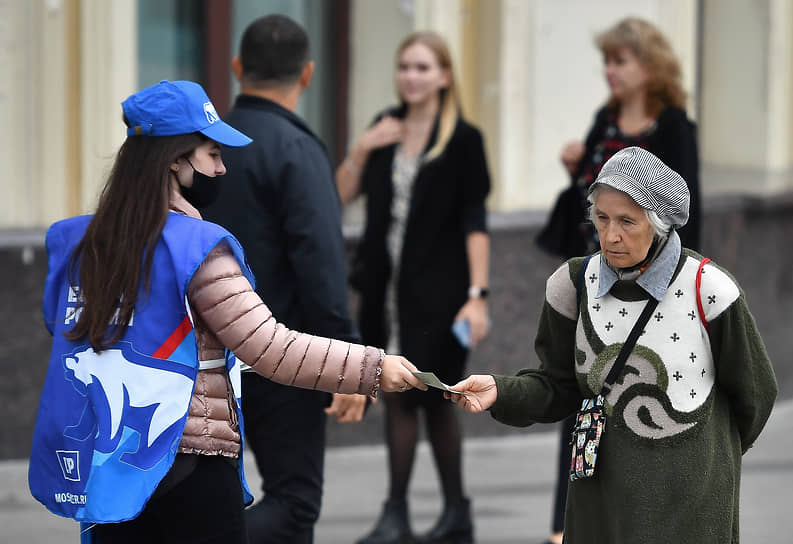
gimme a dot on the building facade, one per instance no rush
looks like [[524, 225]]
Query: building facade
[[529, 73]]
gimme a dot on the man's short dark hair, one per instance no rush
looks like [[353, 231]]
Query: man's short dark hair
[[273, 51]]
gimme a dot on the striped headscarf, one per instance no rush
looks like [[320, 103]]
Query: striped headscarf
[[649, 182]]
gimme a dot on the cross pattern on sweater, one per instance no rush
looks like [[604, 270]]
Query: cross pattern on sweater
[[673, 338]]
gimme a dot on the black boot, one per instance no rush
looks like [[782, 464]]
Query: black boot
[[393, 526], [453, 527]]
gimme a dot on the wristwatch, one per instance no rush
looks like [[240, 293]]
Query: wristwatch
[[478, 292]]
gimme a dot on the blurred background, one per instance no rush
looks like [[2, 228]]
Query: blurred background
[[530, 77]]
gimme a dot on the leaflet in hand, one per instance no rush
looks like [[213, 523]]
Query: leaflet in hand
[[432, 380]]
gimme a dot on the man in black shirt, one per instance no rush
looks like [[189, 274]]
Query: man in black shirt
[[280, 200]]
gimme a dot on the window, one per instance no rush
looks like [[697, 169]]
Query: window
[[170, 44], [195, 40]]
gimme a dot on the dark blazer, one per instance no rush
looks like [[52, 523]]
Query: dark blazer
[[279, 199], [674, 141], [447, 203]]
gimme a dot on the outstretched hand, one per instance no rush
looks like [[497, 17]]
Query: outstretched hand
[[397, 376], [480, 391]]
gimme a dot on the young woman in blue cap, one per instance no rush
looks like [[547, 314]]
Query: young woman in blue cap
[[693, 395], [139, 430]]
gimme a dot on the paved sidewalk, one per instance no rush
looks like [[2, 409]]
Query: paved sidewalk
[[510, 481]]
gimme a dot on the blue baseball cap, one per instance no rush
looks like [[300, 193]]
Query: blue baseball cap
[[170, 108]]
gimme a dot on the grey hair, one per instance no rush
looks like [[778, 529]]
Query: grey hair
[[660, 226]]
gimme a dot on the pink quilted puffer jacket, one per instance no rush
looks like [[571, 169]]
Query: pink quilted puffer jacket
[[227, 312]]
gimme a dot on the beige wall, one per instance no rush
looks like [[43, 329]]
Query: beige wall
[[108, 57], [747, 114], [32, 110], [59, 98]]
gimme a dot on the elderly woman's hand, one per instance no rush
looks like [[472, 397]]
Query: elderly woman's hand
[[396, 375], [474, 394]]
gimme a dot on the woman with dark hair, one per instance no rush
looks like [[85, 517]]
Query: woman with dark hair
[[662, 340], [152, 312], [422, 266], [646, 108]]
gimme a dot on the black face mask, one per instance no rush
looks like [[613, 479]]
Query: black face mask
[[204, 191]]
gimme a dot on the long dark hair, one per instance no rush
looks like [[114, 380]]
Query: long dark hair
[[117, 250]]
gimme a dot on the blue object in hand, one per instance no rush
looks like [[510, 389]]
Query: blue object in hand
[[462, 331]]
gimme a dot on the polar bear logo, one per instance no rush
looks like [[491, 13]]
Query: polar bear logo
[[128, 389]]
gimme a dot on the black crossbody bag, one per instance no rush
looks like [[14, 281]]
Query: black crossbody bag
[[590, 423]]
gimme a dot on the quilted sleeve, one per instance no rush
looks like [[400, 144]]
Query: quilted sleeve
[[226, 302]]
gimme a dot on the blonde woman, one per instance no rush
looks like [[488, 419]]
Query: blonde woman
[[422, 265]]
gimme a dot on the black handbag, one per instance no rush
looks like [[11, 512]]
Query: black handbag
[[565, 232]]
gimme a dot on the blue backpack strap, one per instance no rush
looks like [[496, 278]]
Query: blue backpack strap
[[579, 286]]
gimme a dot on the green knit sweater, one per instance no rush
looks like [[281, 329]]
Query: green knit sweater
[[687, 405]]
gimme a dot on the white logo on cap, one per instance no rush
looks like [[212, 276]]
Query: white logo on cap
[[209, 111]]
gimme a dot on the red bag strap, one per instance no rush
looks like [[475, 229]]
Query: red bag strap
[[699, 298]]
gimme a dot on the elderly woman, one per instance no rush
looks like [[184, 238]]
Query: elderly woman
[[694, 394]]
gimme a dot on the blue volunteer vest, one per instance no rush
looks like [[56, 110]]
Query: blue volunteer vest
[[109, 424]]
